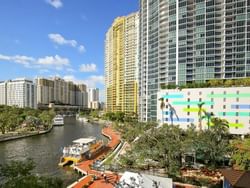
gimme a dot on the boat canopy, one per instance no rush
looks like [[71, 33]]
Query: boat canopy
[[84, 141]]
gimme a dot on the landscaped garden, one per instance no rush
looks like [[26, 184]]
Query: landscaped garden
[[191, 156]]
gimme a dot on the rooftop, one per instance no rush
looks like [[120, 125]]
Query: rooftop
[[84, 140], [131, 179], [237, 178]]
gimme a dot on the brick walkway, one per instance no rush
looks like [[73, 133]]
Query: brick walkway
[[85, 166]]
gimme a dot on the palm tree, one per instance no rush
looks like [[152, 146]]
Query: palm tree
[[208, 115], [220, 125], [162, 106], [200, 110]]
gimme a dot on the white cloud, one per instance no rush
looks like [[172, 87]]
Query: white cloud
[[55, 3], [60, 40], [70, 70], [81, 49], [42, 71], [24, 60], [49, 62], [91, 81], [88, 67]]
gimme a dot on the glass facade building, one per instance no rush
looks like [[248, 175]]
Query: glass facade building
[[185, 41]]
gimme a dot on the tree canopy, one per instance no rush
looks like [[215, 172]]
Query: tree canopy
[[241, 154], [19, 174], [166, 146], [11, 118]]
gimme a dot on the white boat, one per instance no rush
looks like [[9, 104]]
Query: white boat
[[81, 149], [82, 119], [58, 120]]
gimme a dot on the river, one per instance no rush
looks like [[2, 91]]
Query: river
[[45, 149]]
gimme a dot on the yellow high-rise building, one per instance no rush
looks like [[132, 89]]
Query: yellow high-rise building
[[121, 59]]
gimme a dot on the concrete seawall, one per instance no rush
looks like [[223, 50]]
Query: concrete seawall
[[25, 135]]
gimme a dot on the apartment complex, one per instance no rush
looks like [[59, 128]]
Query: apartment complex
[[183, 41], [121, 59], [230, 103], [19, 92], [59, 91], [93, 99]]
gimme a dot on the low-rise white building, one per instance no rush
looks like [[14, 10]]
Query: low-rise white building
[[181, 107], [93, 98], [3, 93], [19, 92]]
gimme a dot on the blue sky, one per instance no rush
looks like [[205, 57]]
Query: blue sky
[[57, 37]]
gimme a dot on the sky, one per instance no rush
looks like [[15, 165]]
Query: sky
[[65, 38]]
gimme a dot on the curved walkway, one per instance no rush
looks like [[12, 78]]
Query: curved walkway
[[84, 167]]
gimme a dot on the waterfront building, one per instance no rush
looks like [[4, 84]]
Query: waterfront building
[[45, 90], [121, 59], [94, 105], [3, 93], [81, 96], [59, 91], [93, 97], [190, 41], [19, 92], [181, 107]]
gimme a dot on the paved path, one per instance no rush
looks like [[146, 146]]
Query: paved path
[[114, 140]]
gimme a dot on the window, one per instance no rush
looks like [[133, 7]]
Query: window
[[212, 106], [200, 93], [237, 113], [224, 106], [188, 106], [200, 99], [188, 99], [237, 99], [224, 99], [236, 121], [188, 113], [224, 113]]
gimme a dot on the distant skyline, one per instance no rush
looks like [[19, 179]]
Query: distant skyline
[[46, 38]]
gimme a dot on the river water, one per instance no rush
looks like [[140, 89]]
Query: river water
[[46, 149]]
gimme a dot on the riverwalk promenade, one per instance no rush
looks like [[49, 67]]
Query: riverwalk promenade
[[94, 178]]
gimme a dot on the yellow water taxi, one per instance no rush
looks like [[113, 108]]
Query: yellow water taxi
[[81, 149]]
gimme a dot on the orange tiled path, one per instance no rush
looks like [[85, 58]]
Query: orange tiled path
[[85, 166]]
